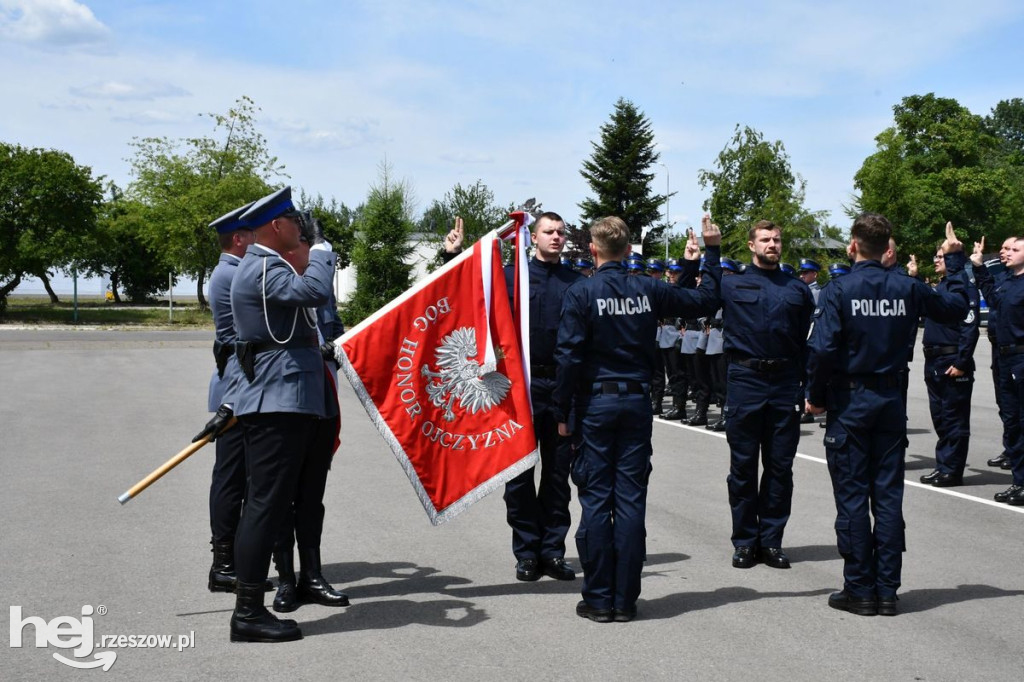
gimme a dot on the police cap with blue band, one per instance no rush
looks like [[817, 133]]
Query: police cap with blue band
[[808, 264], [270, 207], [232, 220]]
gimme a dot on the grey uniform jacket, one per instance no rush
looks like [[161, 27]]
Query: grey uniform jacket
[[287, 379], [224, 326]]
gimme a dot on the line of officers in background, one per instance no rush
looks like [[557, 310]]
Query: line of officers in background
[[691, 359]]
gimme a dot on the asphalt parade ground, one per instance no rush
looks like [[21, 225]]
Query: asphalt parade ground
[[86, 414]]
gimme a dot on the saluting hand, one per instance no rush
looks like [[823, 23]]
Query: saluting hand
[[692, 247], [912, 266], [812, 409], [453, 242], [978, 253], [952, 244], [711, 233]]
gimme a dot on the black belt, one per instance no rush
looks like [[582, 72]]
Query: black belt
[[257, 347], [542, 371], [766, 365], [1011, 350], [619, 388], [872, 381], [935, 351]]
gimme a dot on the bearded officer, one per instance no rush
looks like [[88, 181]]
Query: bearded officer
[[280, 398], [605, 361], [766, 315]]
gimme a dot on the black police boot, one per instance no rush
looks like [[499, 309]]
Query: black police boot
[[678, 410], [287, 598], [700, 416], [718, 426], [251, 622], [222, 573], [312, 585], [656, 404]]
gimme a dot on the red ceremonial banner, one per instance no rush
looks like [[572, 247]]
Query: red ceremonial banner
[[440, 372]]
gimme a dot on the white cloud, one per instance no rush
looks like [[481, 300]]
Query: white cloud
[[123, 90], [54, 23]]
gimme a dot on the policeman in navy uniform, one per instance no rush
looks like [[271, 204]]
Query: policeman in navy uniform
[[539, 513], [280, 397], [605, 359], [949, 377], [227, 485], [999, 274], [1007, 298], [305, 520], [856, 370], [766, 315], [838, 270], [809, 270]]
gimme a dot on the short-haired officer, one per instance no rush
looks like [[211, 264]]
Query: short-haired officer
[[949, 377], [605, 359], [857, 368], [999, 274], [227, 484], [1007, 298], [280, 398], [766, 315]]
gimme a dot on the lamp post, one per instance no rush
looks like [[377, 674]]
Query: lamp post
[[668, 191]]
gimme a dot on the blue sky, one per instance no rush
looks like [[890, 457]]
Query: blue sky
[[510, 93]]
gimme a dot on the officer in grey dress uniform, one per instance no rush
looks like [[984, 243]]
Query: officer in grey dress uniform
[[280, 397], [227, 485]]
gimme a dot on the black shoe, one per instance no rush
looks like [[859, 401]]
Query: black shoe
[[557, 568], [699, 418], [675, 413], [858, 606], [1009, 492], [222, 572], [929, 478], [585, 610], [998, 461], [948, 480], [807, 418], [1006, 465], [887, 606], [251, 622], [774, 557], [287, 598], [718, 426], [312, 586], [744, 557], [526, 570], [1017, 498], [624, 615]]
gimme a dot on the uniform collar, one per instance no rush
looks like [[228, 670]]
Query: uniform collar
[[866, 264]]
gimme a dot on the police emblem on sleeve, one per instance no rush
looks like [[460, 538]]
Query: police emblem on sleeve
[[459, 377]]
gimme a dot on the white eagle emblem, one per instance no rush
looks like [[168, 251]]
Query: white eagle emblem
[[477, 387]]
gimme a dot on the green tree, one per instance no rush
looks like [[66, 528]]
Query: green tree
[[939, 162], [619, 173], [753, 180], [188, 183], [381, 248], [474, 204], [119, 249], [337, 221], [48, 206]]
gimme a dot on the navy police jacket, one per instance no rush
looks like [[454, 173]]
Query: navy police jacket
[[766, 314], [548, 284], [963, 334], [610, 320], [864, 321], [287, 379], [224, 328], [1005, 297]]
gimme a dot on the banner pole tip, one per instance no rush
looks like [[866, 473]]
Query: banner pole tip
[[123, 497]]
